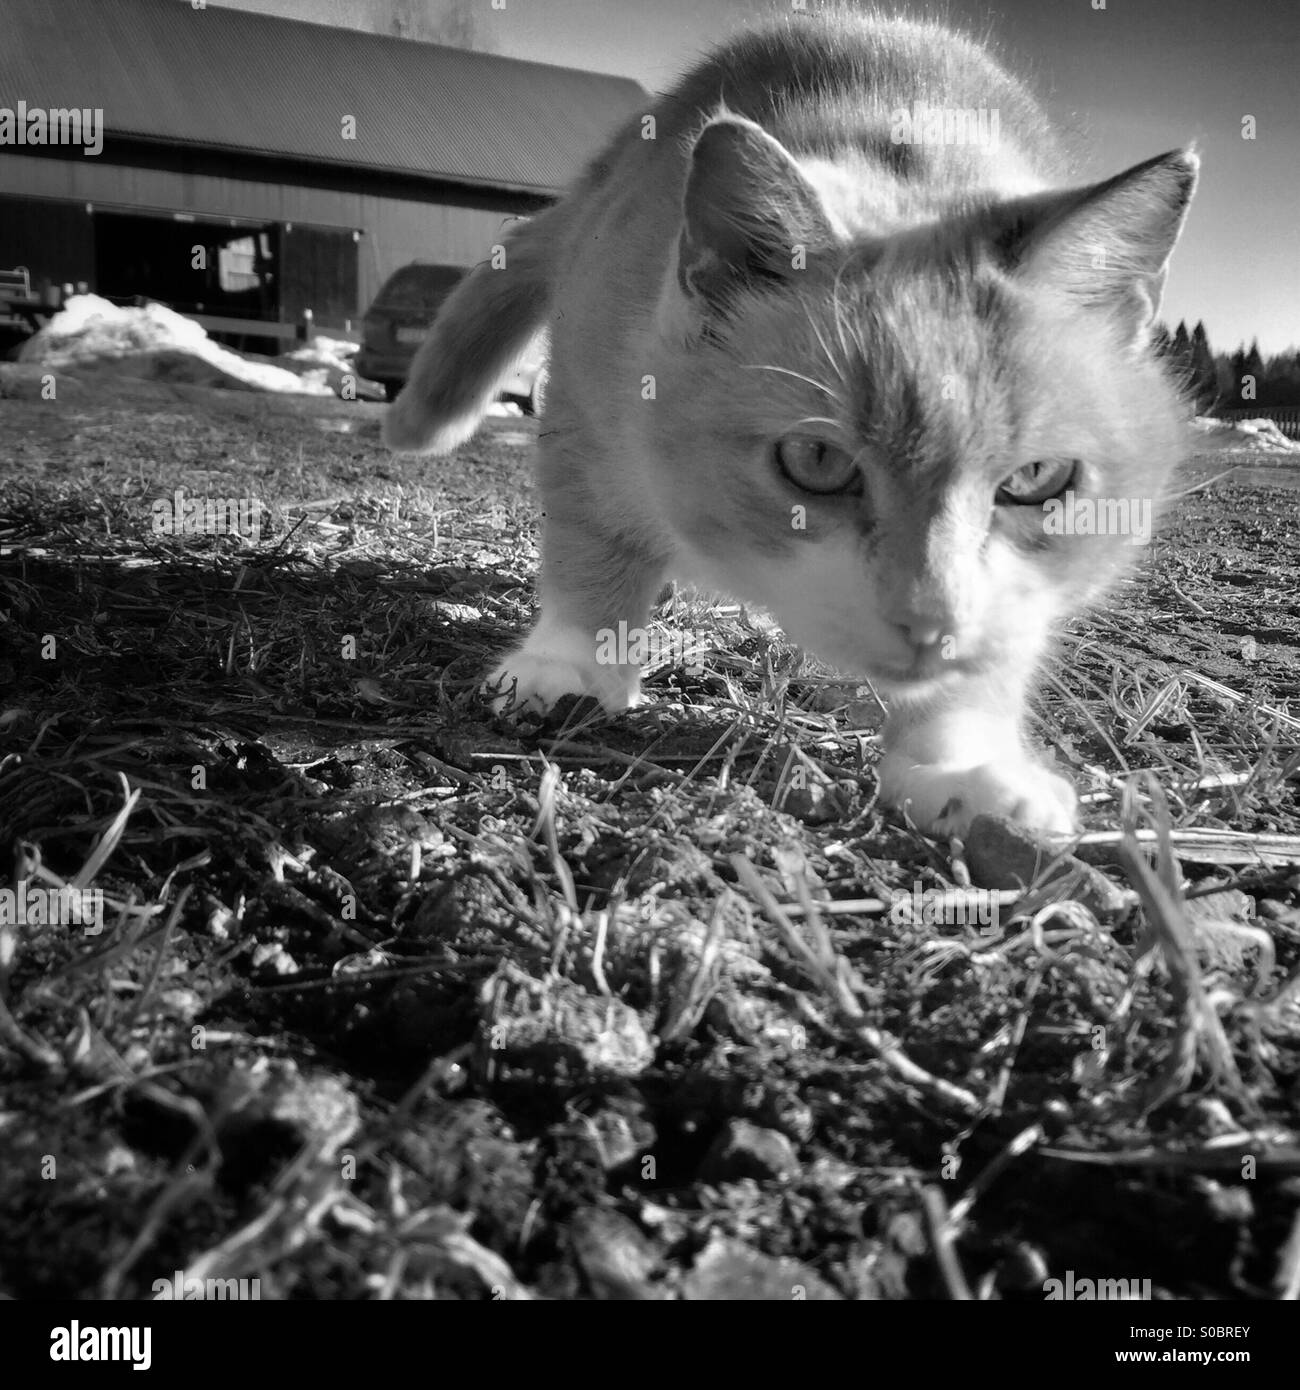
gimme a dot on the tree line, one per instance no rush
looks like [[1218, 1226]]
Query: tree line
[[1227, 380]]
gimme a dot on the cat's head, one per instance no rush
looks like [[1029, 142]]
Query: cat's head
[[916, 449]]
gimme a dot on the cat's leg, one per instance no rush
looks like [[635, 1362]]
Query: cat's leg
[[960, 753], [597, 587]]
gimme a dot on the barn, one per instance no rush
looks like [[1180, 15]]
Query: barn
[[243, 168]]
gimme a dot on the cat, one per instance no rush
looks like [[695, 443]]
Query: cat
[[821, 342]]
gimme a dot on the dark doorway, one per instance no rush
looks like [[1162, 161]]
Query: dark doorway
[[52, 239], [193, 267], [319, 273]]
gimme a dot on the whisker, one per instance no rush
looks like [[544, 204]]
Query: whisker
[[841, 318], [798, 376], [835, 364]]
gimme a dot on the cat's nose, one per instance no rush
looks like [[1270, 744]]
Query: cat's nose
[[921, 632]]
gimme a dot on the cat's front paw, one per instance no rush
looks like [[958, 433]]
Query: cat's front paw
[[541, 672], [944, 801]]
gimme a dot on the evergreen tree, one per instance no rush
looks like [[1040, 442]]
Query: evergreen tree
[[1226, 380], [1276, 379], [1178, 357], [1252, 371], [1181, 350], [1204, 383], [1281, 380], [1237, 373]]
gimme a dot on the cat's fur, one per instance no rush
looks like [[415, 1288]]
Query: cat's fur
[[956, 314]]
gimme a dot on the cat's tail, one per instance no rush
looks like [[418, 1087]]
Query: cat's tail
[[481, 331]]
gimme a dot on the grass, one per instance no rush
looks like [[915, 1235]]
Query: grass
[[392, 1000]]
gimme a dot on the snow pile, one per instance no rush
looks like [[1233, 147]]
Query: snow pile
[[330, 362], [1260, 436], [325, 352], [153, 341]]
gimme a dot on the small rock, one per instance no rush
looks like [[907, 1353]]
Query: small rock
[[120, 1159], [318, 1107], [616, 1256], [832, 1174], [1055, 1117], [221, 921], [1228, 905], [906, 1232], [184, 1004], [465, 1154], [556, 1025], [275, 1111], [1231, 1205], [677, 862], [1212, 1117], [1002, 854], [456, 612], [465, 902], [621, 1134], [728, 1270], [779, 1108], [392, 829], [271, 958], [746, 1150], [751, 1019]]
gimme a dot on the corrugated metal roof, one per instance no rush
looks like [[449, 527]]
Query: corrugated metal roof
[[229, 80]]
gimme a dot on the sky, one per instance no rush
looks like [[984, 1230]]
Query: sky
[[1137, 77]]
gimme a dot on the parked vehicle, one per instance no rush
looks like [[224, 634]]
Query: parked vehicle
[[398, 321]]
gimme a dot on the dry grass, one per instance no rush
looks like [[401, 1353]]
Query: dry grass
[[394, 1001]]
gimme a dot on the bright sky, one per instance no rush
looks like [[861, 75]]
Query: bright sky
[[1141, 76]]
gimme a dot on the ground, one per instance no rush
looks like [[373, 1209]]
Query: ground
[[392, 999]]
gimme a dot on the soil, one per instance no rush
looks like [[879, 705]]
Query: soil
[[394, 999]]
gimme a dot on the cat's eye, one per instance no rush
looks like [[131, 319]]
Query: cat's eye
[[1037, 482], [814, 465]]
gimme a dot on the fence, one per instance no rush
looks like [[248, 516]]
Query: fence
[[1285, 417]]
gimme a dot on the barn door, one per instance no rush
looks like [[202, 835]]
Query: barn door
[[318, 271]]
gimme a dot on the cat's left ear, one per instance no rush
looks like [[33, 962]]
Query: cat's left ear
[[1107, 246], [748, 214]]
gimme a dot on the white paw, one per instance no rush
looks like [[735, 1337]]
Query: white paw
[[944, 800], [547, 667]]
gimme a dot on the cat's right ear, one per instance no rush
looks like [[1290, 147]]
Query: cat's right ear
[[1107, 246], [748, 215]]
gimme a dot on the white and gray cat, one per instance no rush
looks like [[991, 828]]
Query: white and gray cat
[[817, 341]]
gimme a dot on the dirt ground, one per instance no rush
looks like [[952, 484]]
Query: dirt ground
[[394, 1000]]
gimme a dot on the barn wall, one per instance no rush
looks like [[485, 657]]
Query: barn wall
[[397, 230]]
